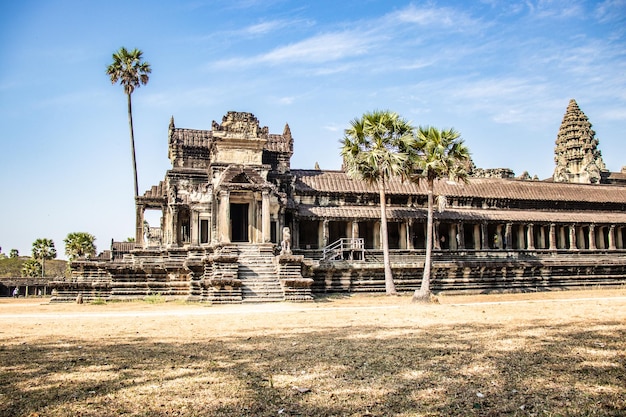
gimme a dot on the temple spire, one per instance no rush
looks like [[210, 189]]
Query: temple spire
[[576, 154]]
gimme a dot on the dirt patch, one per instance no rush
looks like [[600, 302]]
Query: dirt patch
[[561, 353]]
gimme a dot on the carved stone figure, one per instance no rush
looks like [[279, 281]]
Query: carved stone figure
[[286, 243]]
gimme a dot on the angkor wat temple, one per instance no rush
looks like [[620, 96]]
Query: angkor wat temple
[[238, 224]]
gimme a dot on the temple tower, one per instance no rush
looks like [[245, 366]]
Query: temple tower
[[576, 154]]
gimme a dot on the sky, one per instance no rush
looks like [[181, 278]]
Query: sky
[[501, 72]]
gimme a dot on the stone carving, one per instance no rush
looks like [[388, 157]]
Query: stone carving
[[240, 123], [286, 242]]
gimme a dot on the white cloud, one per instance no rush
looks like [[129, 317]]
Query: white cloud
[[318, 49]]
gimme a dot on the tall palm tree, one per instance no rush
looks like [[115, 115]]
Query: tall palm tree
[[436, 154], [373, 150], [79, 244], [131, 72], [43, 249]]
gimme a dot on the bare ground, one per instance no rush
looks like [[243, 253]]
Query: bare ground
[[544, 354]]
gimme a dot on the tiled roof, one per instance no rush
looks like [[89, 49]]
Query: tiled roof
[[457, 214], [191, 137], [315, 182]]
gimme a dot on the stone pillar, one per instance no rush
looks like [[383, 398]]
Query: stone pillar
[[620, 238], [139, 217], [612, 237], [530, 237], [580, 237], [409, 236], [265, 217], [460, 236], [436, 243], [508, 236], [195, 227], [403, 235], [476, 235], [452, 237], [174, 230], [552, 236], [542, 238], [325, 233], [592, 237], [223, 221], [484, 244], [354, 233], [572, 237]]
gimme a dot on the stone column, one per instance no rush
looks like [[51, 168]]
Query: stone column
[[508, 236], [542, 238], [460, 236], [580, 237], [476, 235], [620, 239], [552, 236], [325, 234], [403, 235], [223, 221], [452, 237], [484, 244], [265, 217], [530, 237], [436, 243], [354, 230], [592, 237], [612, 237], [174, 230], [409, 236], [195, 227], [572, 237], [139, 217]]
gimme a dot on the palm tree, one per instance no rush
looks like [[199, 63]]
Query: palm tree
[[131, 72], [373, 150], [31, 268], [436, 154], [43, 249], [79, 244]]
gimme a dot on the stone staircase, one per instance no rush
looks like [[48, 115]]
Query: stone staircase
[[258, 274]]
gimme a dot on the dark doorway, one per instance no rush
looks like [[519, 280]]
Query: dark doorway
[[239, 222]]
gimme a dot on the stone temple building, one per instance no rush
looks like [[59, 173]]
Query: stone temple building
[[238, 223]]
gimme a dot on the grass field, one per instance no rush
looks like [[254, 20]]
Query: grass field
[[545, 354]]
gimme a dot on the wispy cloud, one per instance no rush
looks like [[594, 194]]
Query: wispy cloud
[[435, 17], [314, 50], [610, 10]]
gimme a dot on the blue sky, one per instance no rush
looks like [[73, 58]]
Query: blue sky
[[501, 72]]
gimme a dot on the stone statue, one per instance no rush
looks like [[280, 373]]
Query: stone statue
[[286, 243]]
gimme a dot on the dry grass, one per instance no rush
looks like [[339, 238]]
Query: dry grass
[[560, 354]]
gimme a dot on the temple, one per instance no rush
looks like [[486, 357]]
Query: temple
[[238, 224]]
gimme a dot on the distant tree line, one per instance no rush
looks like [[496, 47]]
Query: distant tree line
[[77, 245]]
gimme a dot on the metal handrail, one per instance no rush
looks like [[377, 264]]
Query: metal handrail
[[337, 248]]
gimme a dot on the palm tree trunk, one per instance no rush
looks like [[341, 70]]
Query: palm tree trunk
[[423, 293], [390, 288], [132, 143]]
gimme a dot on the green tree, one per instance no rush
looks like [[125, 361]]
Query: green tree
[[44, 249], [31, 268], [79, 244], [131, 72], [14, 253], [374, 150], [436, 154]]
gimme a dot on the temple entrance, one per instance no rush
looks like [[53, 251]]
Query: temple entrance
[[239, 222]]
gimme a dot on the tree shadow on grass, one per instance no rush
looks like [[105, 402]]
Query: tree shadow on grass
[[473, 370]]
